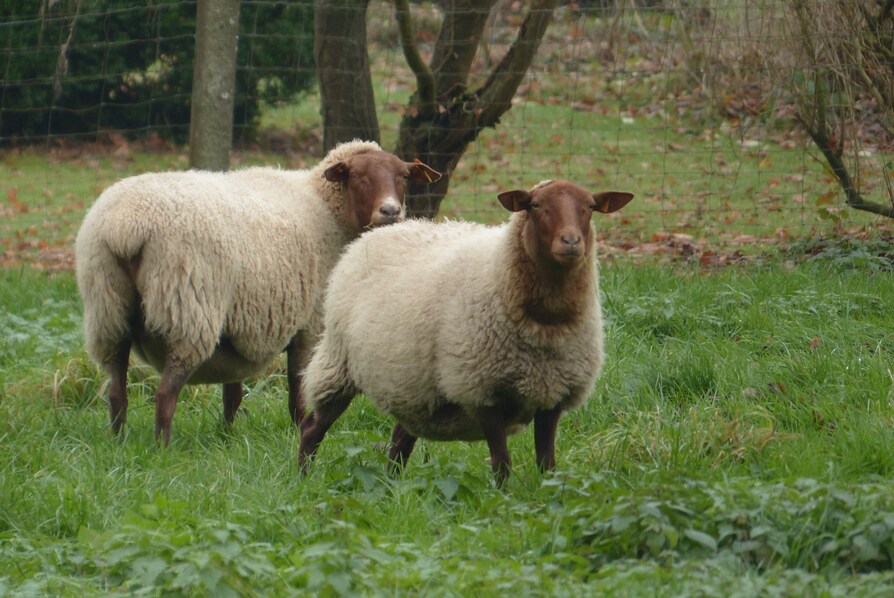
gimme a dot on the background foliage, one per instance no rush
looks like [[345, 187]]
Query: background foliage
[[82, 66]]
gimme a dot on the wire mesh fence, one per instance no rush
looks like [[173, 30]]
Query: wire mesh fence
[[688, 104]]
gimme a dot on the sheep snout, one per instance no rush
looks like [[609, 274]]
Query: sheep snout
[[569, 245], [567, 248], [570, 239], [389, 212]]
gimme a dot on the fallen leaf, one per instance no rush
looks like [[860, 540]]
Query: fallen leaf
[[13, 196]]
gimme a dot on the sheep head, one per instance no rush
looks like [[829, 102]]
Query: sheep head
[[375, 185], [558, 229]]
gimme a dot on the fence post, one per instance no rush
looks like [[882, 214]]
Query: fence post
[[213, 84]]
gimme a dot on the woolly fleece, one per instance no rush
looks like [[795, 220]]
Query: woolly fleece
[[428, 320], [241, 256]]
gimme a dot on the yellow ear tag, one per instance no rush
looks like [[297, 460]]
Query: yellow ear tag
[[424, 171]]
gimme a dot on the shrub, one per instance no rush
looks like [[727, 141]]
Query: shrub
[[94, 65]]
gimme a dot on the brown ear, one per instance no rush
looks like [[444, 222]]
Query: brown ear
[[611, 201], [337, 173], [420, 173], [515, 201]]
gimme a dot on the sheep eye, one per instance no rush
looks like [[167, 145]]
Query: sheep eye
[[535, 205], [593, 207]]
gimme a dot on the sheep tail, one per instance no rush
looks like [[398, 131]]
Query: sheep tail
[[326, 376], [111, 299]]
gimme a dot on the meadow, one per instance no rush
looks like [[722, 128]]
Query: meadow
[[741, 437], [740, 441]]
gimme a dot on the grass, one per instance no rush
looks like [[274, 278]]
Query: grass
[[701, 183], [711, 183], [740, 442], [741, 433]]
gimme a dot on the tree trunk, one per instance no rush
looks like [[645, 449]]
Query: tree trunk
[[443, 116], [348, 104], [439, 137], [214, 82], [457, 44]]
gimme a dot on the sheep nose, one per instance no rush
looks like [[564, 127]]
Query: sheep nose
[[570, 239], [391, 210]]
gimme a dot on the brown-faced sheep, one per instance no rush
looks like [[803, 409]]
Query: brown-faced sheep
[[466, 332], [209, 276]]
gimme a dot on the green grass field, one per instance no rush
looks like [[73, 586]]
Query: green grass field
[[741, 436], [740, 442]]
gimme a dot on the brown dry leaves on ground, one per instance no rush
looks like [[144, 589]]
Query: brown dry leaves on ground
[[36, 245], [43, 238], [738, 249]]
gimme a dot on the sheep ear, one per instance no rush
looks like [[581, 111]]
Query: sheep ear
[[337, 173], [515, 201], [611, 201], [421, 173]]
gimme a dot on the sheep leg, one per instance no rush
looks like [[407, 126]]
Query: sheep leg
[[494, 427], [172, 380], [315, 424], [545, 424], [296, 358], [402, 443], [118, 386], [232, 398]]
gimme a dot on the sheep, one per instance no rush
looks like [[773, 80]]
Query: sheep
[[466, 332], [208, 276]]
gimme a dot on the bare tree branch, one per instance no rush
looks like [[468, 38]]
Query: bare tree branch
[[441, 138], [62, 59], [839, 169], [425, 81], [458, 42], [497, 92], [840, 56]]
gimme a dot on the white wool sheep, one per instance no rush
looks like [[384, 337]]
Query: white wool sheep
[[209, 276], [466, 332]]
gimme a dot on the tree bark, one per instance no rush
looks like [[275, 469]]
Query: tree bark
[[439, 139], [443, 116], [425, 81], [348, 103], [214, 84], [458, 40]]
